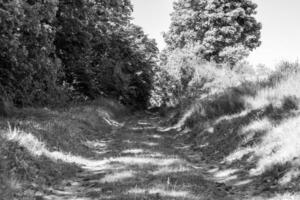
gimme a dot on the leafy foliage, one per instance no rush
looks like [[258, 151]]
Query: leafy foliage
[[183, 78], [126, 66], [82, 48], [178, 79], [222, 30], [29, 68], [204, 37], [102, 52]]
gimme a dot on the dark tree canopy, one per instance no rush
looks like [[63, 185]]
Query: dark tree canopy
[[29, 67], [102, 51], [68, 49]]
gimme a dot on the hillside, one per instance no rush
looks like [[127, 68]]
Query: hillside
[[91, 109], [248, 134], [96, 152], [238, 144]]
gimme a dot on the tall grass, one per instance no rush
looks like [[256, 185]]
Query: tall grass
[[279, 145], [35, 148], [282, 91], [255, 125]]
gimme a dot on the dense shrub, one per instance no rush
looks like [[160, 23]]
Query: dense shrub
[[183, 78]]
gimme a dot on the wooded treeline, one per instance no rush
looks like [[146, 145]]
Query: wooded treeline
[[207, 42], [55, 51]]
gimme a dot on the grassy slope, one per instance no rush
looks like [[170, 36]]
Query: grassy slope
[[250, 136], [246, 139], [50, 136], [107, 159]]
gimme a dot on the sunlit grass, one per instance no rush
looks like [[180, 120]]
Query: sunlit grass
[[13, 184], [98, 147], [108, 119], [287, 196], [171, 169], [117, 177], [133, 151], [146, 161], [192, 110], [97, 144], [256, 126], [34, 146], [39, 148], [243, 182], [289, 176], [276, 94], [137, 128], [238, 154], [164, 192], [35, 125], [143, 153], [8, 187], [249, 132], [279, 145], [151, 144], [232, 117], [225, 173], [156, 136]]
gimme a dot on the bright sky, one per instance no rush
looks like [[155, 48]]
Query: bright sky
[[280, 33]]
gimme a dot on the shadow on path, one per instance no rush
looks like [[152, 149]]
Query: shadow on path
[[137, 162]]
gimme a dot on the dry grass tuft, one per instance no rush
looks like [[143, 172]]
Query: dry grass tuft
[[287, 196], [33, 145], [117, 177], [289, 176], [133, 151], [257, 126], [286, 91], [279, 146], [171, 169], [163, 191]]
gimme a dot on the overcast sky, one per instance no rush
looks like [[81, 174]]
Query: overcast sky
[[280, 33]]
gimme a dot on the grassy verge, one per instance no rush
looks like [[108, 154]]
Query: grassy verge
[[41, 147], [250, 133]]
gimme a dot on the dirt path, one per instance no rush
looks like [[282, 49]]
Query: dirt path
[[138, 162]]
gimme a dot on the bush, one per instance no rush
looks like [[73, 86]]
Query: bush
[[184, 78], [175, 81]]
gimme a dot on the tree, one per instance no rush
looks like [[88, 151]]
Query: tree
[[124, 67], [28, 65], [139, 64], [222, 30], [80, 48], [73, 43], [103, 52], [84, 33]]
